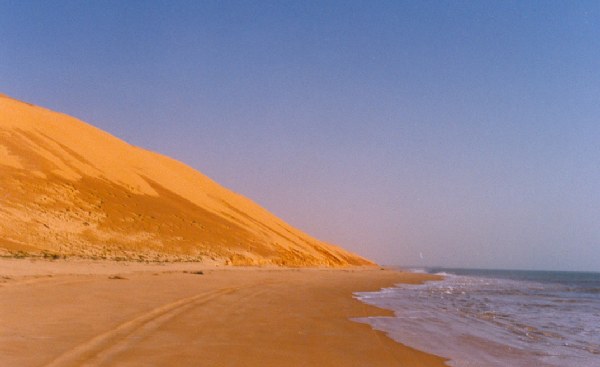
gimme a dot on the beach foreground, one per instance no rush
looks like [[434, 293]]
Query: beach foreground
[[68, 313]]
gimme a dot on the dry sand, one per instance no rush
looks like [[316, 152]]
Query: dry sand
[[75, 313]]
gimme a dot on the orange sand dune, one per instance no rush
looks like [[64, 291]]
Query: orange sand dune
[[68, 188]]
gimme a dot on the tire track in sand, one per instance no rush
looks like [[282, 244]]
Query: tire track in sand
[[103, 347]]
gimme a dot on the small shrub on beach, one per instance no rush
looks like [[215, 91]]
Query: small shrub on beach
[[51, 256], [19, 254], [117, 277], [198, 272]]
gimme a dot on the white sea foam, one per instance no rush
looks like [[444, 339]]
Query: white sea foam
[[493, 322]]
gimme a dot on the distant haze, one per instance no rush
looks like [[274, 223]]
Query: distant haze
[[419, 133]]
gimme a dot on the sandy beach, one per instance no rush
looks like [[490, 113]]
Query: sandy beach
[[74, 313]]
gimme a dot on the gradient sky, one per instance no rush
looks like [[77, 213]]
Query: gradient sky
[[460, 133]]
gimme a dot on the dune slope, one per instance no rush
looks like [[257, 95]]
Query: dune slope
[[68, 188]]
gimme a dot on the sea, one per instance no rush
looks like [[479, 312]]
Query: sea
[[496, 318]]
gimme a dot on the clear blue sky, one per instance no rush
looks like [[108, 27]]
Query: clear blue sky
[[459, 133]]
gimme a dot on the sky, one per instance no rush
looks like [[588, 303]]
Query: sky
[[421, 133]]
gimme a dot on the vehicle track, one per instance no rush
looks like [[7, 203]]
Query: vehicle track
[[101, 349]]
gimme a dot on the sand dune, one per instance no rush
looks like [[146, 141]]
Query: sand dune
[[68, 188]]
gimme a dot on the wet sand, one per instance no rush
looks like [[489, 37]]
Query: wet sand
[[74, 313]]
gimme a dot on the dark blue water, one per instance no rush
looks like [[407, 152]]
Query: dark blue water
[[497, 317]]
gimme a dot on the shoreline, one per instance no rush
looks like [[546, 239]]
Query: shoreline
[[63, 313]]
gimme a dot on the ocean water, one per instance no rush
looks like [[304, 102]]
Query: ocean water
[[497, 318]]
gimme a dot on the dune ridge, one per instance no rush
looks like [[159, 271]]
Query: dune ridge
[[70, 189]]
